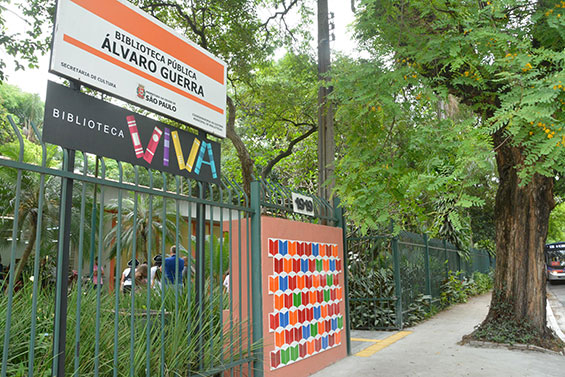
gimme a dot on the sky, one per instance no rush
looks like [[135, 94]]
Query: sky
[[35, 80]]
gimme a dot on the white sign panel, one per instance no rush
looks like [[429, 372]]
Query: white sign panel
[[302, 204], [117, 48]]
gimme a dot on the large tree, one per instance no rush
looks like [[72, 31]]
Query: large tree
[[277, 119], [505, 60], [406, 155]]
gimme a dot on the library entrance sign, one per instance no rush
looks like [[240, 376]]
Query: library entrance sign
[[78, 121], [116, 48]]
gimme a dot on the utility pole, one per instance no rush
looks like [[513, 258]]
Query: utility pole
[[326, 143]]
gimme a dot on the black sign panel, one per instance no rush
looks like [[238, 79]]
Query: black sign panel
[[77, 121]]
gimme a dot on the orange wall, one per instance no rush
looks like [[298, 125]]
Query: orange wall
[[276, 228]]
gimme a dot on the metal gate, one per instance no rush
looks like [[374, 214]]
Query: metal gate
[[80, 219]]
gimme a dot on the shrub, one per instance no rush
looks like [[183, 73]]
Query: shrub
[[457, 289], [182, 336]]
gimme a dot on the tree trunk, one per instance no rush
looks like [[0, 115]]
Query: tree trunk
[[521, 218], [28, 249], [242, 152]]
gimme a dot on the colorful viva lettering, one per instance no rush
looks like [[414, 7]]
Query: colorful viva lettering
[[189, 164], [137, 147], [196, 157]]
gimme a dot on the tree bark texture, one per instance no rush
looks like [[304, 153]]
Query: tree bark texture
[[521, 218], [242, 152]]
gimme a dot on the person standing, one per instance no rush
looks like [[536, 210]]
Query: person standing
[[128, 275], [97, 275], [227, 283], [173, 268], [141, 276], [156, 272]]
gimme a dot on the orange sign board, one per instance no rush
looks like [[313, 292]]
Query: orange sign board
[[119, 49]]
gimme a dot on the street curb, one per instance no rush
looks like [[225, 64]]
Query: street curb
[[552, 322], [512, 347]]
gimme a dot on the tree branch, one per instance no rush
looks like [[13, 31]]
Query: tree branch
[[267, 169], [281, 14], [161, 4], [242, 152]]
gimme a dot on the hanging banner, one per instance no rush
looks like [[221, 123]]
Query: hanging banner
[[117, 48], [78, 121]]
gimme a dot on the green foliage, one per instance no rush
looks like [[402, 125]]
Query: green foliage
[[449, 81], [168, 327], [505, 59], [508, 332], [503, 327], [457, 288], [372, 284], [217, 263], [30, 195], [373, 280], [482, 283], [418, 310], [454, 290], [278, 110], [556, 230], [220, 264], [230, 29], [24, 45], [425, 170], [24, 108], [142, 225], [245, 34]]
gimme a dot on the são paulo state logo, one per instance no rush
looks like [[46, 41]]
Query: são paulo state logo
[[141, 91]]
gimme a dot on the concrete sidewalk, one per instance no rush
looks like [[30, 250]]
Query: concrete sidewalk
[[431, 349]]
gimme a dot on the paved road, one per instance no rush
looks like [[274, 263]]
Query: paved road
[[558, 290]]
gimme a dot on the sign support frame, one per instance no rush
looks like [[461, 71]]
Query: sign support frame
[[60, 320]]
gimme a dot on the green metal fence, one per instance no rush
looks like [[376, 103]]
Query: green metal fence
[[67, 210], [70, 218], [391, 277]]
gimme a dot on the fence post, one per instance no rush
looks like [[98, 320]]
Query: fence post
[[60, 331], [200, 263], [397, 282], [63, 255], [446, 258], [256, 276], [338, 211], [427, 267], [458, 259]]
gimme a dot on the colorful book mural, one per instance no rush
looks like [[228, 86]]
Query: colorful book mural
[[306, 292]]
